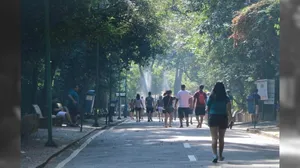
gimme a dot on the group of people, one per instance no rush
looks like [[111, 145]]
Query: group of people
[[216, 104], [69, 113]]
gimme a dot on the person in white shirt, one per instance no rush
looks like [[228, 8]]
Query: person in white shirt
[[183, 97]]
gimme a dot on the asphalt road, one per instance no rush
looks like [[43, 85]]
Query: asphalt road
[[150, 145]]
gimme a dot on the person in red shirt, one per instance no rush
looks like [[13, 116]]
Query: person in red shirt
[[200, 97]]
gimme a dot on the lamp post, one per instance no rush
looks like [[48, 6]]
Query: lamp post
[[119, 117], [125, 111], [50, 142], [96, 124]]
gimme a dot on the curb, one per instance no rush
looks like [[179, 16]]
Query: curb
[[256, 131], [77, 140]]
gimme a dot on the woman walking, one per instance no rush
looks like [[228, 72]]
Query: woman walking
[[139, 106], [169, 109], [219, 115], [160, 107]]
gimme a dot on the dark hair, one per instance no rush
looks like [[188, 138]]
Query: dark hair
[[165, 93], [182, 87], [149, 93], [169, 92], [219, 93], [201, 87], [138, 97]]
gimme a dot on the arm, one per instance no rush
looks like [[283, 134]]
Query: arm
[[142, 104], [228, 108], [195, 99], [70, 96]]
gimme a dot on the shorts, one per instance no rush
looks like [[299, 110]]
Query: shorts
[[216, 120], [149, 109], [168, 110], [200, 111], [138, 109], [160, 109], [73, 110], [183, 112], [61, 114], [132, 110], [191, 111]]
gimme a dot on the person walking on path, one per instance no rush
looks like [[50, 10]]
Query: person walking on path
[[253, 105], [200, 97], [73, 103], [139, 106], [168, 108], [149, 106], [143, 110], [191, 104], [160, 107], [219, 116], [183, 97]]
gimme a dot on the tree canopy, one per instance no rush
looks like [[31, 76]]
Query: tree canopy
[[157, 44]]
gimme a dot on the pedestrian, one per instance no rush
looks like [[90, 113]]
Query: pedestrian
[[183, 97], [219, 116], [168, 108], [60, 111], [149, 106], [73, 104], [139, 106], [160, 107], [200, 97], [143, 110], [253, 105], [191, 108], [131, 105]]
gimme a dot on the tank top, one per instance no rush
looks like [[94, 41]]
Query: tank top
[[138, 103]]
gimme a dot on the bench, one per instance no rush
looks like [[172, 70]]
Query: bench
[[29, 125], [43, 123]]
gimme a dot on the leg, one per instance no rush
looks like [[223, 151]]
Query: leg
[[181, 116], [159, 115], [201, 121], [186, 115], [148, 114], [197, 112], [166, 119], [136, 114], [140, 113], [191, 114], [221, 143], [170, 119], [214, 145], [68, 117]]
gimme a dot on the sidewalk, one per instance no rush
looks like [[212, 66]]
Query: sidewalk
[[266, 128], [34, 152]]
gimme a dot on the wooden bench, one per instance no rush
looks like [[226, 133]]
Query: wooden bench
[[43, 123], [29, 125]]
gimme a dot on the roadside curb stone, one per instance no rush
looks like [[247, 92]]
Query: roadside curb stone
[[261, 132]]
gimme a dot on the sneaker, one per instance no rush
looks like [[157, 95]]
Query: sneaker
[[215, 159], [181, 126], [221, 158]]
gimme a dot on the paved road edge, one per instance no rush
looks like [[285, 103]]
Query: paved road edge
[[256, 131], [77, 140]]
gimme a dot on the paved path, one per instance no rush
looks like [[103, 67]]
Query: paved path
[[149, 145]]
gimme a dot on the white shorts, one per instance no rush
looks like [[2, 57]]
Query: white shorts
[[160, 109], [61, 114]]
